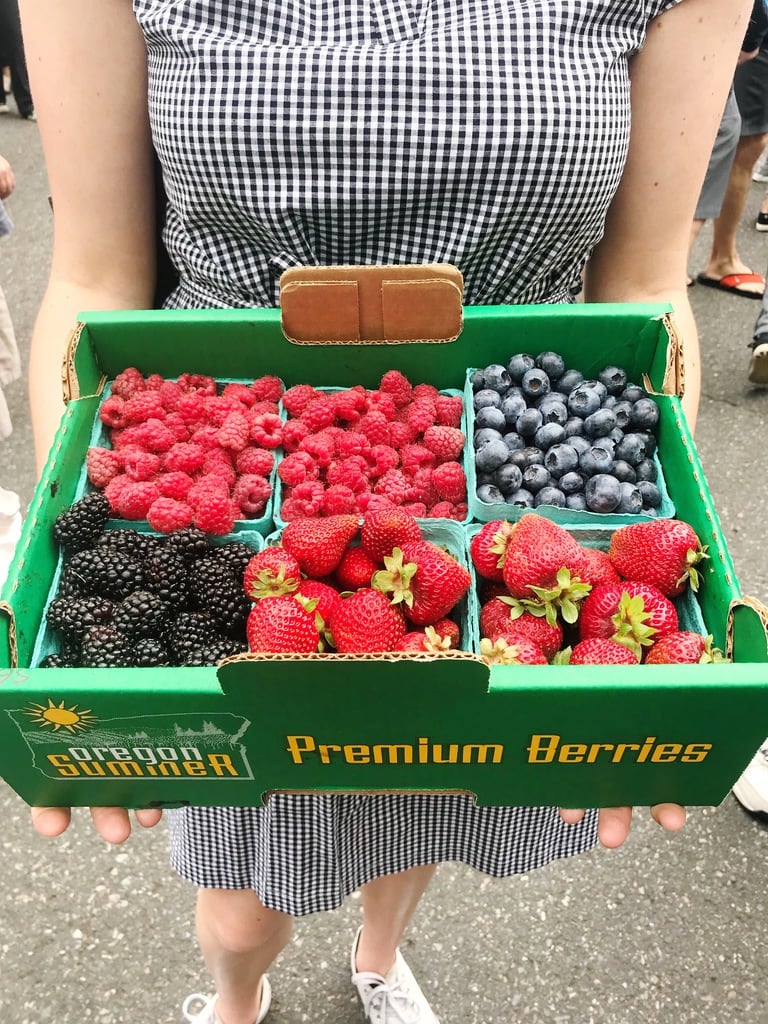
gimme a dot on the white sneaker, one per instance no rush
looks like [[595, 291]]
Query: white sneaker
[[760, 170], [752, 788], [207, 1015], [4, 108], [394, 999], [758, 364]]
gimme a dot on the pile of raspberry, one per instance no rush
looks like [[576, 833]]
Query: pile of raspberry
[[354, 450], [186, 452]]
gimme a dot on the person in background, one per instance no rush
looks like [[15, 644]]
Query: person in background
[[560, 138], [13, 57], [10, 370]]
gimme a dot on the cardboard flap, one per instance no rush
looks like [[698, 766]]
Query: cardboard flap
[[747, 633], [69, 383], [9, 628], [370, 305]]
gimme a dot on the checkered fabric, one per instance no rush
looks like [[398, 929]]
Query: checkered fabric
[[486, 134]]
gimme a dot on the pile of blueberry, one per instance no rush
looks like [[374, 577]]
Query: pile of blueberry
[[543, 435]]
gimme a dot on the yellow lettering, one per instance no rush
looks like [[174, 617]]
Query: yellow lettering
[[696, 752], [91, 768], [124, 768], [356, 753], [595, 749], [482, 752], [542, 748], [222, 764], [646, 749], [437, 753], [62, 764], [618, 753], [666, 752], [572, 752], [392, 753], [194, 768], [324, 751], [298, 746], [166, 768]]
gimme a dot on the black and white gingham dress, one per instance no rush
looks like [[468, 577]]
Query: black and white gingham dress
[[490, 134]]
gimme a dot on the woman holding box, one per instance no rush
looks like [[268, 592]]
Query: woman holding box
[[502, 138]]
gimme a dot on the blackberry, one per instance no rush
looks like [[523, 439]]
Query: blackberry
[[77, 527], [150, 652], [212, 653], [220, 593], [106, 572], [234, 554], [106, 647], [130, 542], [55, 660], [71, 584], [74, 615], [167, 576], [188, 630], [141, 614], [190, 543]]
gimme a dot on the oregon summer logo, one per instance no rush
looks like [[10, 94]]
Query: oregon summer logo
[[68, 740]]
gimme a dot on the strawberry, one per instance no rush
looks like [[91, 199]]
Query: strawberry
[[324, 599], [541, 566], [512, 650], [425, 579], [544, 634], [318, 544], [447, 628], [631, 613], [596, 567], [684, 648], [271, 572], [281, 625], [424, 641], [387, 528], [598, 650], [355, 569], [366, 622], [488, 548], [663, 552]]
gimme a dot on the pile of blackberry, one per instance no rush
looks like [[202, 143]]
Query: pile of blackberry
[[139, 600]]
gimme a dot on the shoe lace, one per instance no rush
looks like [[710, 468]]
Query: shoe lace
[[379, 996], [192, 1000]]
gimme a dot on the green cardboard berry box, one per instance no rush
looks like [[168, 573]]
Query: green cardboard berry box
[[569, 735]]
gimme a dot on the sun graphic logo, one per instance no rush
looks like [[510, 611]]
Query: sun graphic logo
[[57, 716]]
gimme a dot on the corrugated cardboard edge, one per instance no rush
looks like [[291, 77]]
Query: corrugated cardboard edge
[[70, 384], [5, 609], [673, 382], [409, 656], [757, 607]]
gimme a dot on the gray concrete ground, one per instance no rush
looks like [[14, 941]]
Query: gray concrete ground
[[671, 927]]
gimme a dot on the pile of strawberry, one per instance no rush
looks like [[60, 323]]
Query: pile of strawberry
[[352, 450], [334, 584], [545, 598], [184, 453]]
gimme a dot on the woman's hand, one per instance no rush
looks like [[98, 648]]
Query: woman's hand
[[112, 823], [614, 823]]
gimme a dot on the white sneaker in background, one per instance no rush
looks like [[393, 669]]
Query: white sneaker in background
[[10, 529], [752, 788], [760, 170]]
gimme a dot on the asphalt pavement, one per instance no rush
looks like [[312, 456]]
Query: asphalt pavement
[[669, 928]]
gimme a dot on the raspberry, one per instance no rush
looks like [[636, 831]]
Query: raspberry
[[205, 485], [235, 431], [166, 514], [294, 431], [350, 404], [353, 472], [397, 385], [251, 494], [191, 407], [261, 407], [375, 426], [207, 437], [421, 414], [155, 381], [416, 456], [102, 464], [449, 410], [401, 433], [310, 493], [140, 465], [169, 394], [381, 401], [174, 423], [115, 488], [297, 467], [296, 399], [221, 468], [392, 484], [338, 499], [255, 460], [319, 413], [450, 481], [197, 382], [369, 502], [416, 508], [320, 446], [381, 458], [421, 488], [135, 498], [155, 436], [174, 485], [425, 391], [446, 442], [267, 429], [441, 510], [267, 389], [218, 407], [215, 513], [350, 442], [186, 456], [241, 393], [128, 382], [144, 405], [127, 437], [112, 412]]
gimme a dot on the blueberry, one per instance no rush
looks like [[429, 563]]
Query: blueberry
[[615, 435], [481, 437], [577, 502], [491, 417], [622, 411], [518, 458], [572, 483], [486, 397], [598, 386], [518, 365], [651, 443], [614, 379], [533, 456], [512, 405], [632, 393], [491, 455], [599, 423], [535, 477], [528, 422], [561, 459], [609, 401], [550, 496], [489, 493], [624, 472], [551, 363], [522, 497], [602, 493], [513, 441], [647, 470], [535, 383], [569, 380], [607, 444], [496, 377], [553, 411], [508, 478], [579, 442], [548, 434], [650, 493], [631, 501], [645, 414], [485, 478], [574, 426], [583, 401], [595, 460], [477, 380], [632, 449]]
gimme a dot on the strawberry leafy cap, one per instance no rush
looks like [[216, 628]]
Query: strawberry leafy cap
[[563, 598], [395, 578]]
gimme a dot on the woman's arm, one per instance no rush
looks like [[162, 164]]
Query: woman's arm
[[680, 81], [87, 67]]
